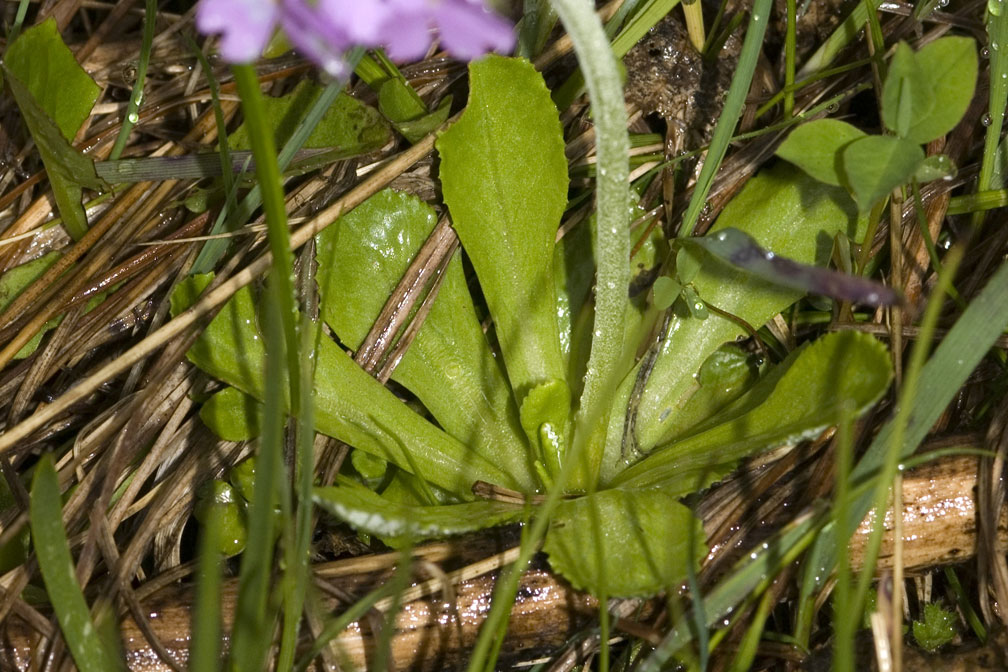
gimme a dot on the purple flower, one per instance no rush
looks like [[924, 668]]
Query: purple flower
[[324, 31], [245, 26], [467, 29]]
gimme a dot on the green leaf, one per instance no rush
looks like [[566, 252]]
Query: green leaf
[[787, 212], [349, 404], [398, 101], [232, 518], [52, 550], [550, 399], [415, 129], [938, 628], [369, 512], [929, 91], [55, 95], [803, 395], [15, 281], [504, 177], [726, 374], [877, 164], [47, 69], [666, 291], [349, 126], [908, 95], [232, 415], [935, 167], [815, 148], [449, 365], [624, 544]]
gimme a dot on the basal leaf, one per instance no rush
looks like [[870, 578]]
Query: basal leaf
[[55, 96], [806, 393], [47, 69], [786, 211], [877, 164], [349, 126], [449, 365], [726, 375], [908, 95], [950, 67], [52, 550], [369, 512], [815, 148], [15, 281], [349, 404], [623, 544], [504, 177], [232, 415]]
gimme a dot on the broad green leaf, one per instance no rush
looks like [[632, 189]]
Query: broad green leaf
[[15, 281], [55, 96], [504, 177], [666, 291], [877, 164], [726, 375], [815, 148], [804, 394], [907, 96], [232, 415], [349, 404], [787, 212], [449, 365], [949, 66], [52, 550], [624, 544], [47, 69], [349, 126], [369, 512]]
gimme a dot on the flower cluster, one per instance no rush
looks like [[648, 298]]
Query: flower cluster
[[323, 30]]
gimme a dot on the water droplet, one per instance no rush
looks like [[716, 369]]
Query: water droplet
[[986, 120], [133, 117], [994, 7], [995, 46], [985, 53], [832, 108]]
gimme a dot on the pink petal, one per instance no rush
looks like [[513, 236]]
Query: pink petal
[[245, 26]]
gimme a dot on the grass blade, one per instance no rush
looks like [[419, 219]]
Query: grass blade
[[56, 565]]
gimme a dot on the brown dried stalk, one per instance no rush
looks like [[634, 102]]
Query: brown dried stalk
[[438, 629]]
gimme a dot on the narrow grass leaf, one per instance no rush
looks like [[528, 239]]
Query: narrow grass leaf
[[136, 96], [730, 113], [56, 564]]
